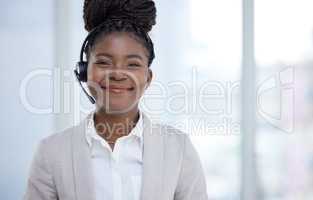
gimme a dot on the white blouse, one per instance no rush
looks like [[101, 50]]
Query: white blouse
[[117, 174]]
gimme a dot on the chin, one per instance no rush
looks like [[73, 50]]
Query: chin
[[114, 108]]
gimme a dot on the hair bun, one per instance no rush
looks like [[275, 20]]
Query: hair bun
[[141, 12]]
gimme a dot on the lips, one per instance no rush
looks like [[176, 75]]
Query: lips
[[117, 88]]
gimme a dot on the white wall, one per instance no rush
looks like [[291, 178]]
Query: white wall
[[27, 41]]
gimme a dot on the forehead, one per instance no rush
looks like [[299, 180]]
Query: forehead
[[119, 43]]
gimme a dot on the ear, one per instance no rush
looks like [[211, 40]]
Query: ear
[[149, 77]]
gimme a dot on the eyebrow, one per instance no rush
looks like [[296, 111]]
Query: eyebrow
[[134, 56], [104, 54], [128, 56]]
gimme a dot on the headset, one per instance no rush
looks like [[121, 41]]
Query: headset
[[81, 67], [80, 70]]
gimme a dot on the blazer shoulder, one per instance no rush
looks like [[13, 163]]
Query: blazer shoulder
[[60, 136], [59, 141], [171, 135], [168, 129]]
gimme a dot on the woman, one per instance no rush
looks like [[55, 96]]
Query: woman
[[117, 152]]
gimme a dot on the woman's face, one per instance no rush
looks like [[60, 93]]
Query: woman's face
[[118, 72]]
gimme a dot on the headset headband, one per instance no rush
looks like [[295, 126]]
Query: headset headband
[[99, 28]]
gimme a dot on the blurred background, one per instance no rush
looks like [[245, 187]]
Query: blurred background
[[234, 74]]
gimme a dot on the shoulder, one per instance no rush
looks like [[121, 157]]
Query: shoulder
[[179, 140], [173, 137], [168, 131], [60, 137], [59, 143]]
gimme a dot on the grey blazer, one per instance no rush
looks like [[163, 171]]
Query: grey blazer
[[61, 167]]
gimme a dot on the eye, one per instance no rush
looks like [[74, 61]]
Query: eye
[[134, 65], [103, 63]]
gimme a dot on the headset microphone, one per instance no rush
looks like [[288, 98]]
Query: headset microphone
[[81, 67], [91, 99]]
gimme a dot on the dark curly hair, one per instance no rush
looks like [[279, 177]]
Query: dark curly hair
[[102, 17]]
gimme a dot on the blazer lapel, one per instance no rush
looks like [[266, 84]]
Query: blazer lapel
[[153, 160], [82, 170]]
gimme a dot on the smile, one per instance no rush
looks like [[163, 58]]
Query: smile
[[117, 89]]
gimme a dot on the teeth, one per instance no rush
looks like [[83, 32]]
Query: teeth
[[116, 90]]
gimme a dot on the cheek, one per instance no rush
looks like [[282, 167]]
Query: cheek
[[140, 82], [140, 90], [94, 74], [143, 86]]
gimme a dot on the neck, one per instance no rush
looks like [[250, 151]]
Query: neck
[[113, 126]]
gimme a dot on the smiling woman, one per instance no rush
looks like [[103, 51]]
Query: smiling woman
[[117, 152], [119, 64]]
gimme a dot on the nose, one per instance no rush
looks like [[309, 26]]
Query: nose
[[117, 75]]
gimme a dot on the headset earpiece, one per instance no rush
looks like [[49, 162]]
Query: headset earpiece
[[81, 76], [81, 67]]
